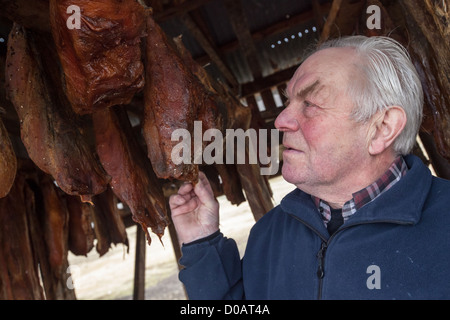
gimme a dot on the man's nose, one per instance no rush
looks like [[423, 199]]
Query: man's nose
[[286, 121]]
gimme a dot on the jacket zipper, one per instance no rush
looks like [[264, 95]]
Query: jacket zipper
[[325, 243], [320, 269], [321, 256]]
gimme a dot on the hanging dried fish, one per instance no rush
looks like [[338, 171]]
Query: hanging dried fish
[[133, 180], [47, 124], [102, 59], [8, 162]]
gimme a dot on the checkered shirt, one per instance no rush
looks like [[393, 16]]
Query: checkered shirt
[[395, 172]]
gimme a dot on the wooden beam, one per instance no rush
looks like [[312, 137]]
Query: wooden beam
[[273, 80], [199, 19], [175, 244], [257, 121], [239, 23], [171, 188], [279, 27], [335, 7], [30, 14], [209, 49], [256, 188], [318, 14], [139, 265], [270, 116], [286, 24], [180, 10], [269, 101], [343, 19]]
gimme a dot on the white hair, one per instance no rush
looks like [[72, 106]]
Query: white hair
[[385, 77]]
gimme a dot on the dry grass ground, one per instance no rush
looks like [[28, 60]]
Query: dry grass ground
[[111, 276]]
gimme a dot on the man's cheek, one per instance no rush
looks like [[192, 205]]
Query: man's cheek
[[314, 134]]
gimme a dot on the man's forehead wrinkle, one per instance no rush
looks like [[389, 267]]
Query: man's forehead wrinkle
[[303, 93]]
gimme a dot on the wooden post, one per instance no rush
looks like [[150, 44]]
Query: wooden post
[[139, 266], [256, 187], [173, 236]]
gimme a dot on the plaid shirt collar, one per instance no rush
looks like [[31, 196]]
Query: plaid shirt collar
[[395, 172]]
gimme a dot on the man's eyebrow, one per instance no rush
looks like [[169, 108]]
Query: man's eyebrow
[[308, 90]]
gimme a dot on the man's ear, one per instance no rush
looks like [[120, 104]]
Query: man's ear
[[385, 128]]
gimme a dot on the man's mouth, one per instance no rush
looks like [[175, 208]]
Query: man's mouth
[[287, 147]]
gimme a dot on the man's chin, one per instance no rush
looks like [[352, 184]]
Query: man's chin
[[292, 175]]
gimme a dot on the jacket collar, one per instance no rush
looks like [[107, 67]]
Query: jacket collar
[[401, 204]]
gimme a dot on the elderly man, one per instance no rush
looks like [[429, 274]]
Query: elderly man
[[366, 221]]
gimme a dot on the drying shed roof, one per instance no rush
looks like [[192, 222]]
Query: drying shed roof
[[252, 39]]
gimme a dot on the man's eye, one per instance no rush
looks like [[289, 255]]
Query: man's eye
[[309, 104], [309, 109]]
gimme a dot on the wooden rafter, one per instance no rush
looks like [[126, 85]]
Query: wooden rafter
[[343, 17], [318, 14], [273, 80], [179, 10], [335, 7], [239, 23], [30, 14], [279, 27], [209, 48]]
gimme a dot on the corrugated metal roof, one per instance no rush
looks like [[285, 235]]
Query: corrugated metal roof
[[261, 13], [275, 52]]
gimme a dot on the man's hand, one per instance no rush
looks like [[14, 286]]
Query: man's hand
[[195, 211]]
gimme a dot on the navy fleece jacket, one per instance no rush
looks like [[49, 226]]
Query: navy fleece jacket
[[395, 247]]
